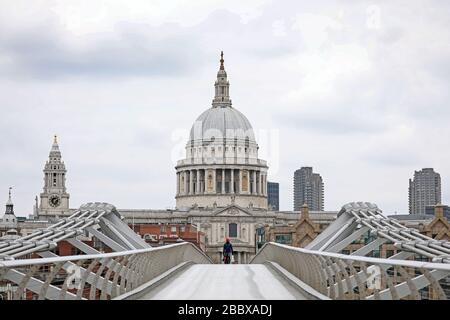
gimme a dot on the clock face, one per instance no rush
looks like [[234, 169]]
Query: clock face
[[54, 201]]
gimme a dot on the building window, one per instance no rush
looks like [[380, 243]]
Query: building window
[[283, 238], [173, 229], [182, 229], [163, 229], [232, 230]]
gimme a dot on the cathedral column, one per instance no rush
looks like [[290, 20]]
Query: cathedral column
[[191, 182], [232, 181], [264, 185], [223, 180], [254, 182], [259, 182], [178, 183], [204, 181], [240, 181], [185, 183], [197, 187]]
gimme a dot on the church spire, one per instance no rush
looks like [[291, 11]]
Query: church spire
[[222, 87], [55, 146], [9, 204], [221, 61], [54, 198]]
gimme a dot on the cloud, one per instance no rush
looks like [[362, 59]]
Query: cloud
[[359, 92], [133, 50]]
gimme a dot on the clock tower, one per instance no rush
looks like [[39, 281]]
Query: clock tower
[[54, 199]]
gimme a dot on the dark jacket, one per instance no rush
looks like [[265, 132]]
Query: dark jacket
[[227, 248]]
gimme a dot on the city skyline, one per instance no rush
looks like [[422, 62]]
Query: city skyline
[[115, 107]]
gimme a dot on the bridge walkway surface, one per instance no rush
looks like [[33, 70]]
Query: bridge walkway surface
[[225, 282]]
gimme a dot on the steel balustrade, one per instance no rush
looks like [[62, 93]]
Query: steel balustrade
[[340, 276], [98, 276]]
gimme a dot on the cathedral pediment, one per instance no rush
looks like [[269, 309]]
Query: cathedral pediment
[[232, 211]]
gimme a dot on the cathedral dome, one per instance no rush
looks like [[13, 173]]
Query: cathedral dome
[[219, 123], [222, 124], [221, 167]]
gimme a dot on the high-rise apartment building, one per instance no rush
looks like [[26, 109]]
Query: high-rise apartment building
[[308, 188], [424, 190]]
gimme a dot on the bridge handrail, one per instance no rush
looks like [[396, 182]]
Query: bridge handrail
[[42, 261], [95, 276], [382, 261], [341, 276]]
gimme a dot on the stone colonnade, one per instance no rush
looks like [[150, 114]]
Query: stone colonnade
[[221, 181]]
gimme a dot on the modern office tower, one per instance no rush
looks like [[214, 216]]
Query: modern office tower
[[424, 190], [308, 188], [273, 192]]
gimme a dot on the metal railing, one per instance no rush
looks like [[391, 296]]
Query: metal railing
[[340, 276], [96, 276]]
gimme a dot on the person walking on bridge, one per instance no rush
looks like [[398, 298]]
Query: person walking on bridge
[[227, 251]]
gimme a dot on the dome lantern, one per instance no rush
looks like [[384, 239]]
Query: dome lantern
[[222, 87]]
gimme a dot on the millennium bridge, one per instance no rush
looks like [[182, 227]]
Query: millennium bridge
[[134, 270]]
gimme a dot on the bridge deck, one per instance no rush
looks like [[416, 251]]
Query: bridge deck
[[225, 282]]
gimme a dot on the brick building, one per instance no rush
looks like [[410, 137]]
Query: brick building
[[160, 234]]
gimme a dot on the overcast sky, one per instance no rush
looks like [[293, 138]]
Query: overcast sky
[[359, 90]]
